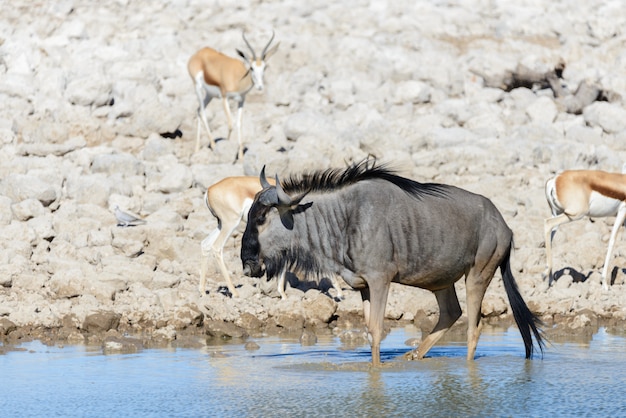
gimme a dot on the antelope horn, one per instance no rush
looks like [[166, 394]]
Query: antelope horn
[[243, 34], [267, 46]]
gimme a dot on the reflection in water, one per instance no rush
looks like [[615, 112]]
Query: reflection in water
[[283, 378]]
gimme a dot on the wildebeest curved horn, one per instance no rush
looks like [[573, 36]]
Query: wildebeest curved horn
[[243, 34], [283, 198], [264, 183]]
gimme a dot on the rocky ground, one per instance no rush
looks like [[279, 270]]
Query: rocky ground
[[97, 110]]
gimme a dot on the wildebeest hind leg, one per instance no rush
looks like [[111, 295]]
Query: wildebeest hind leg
[[476, 285], [449, 312]]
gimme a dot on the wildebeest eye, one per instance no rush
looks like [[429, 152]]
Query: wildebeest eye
[[260, 220]]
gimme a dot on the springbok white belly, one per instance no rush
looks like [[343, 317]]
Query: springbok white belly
[[601, 206], [212, 91]]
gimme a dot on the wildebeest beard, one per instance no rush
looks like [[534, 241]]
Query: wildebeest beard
[[294, 259]]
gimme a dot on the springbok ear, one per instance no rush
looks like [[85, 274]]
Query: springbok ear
[[243, 55], [270, 52]]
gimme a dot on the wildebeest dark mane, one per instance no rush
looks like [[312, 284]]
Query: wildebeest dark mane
[[336, 178]]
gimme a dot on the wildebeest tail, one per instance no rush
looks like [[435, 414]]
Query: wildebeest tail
[[527, 322]]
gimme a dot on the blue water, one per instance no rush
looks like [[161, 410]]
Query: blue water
[[284, 378]]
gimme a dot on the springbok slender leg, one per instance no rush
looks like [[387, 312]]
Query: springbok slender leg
[[214, 244], [281, 284], [239, 120], [449, 312], [549, 226], [206, 248], [229, 115], [365, 297], [203, 100], [337, 286], [619, 221]]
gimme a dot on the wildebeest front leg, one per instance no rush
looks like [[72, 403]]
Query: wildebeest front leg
[[449, 312], [374, 302]]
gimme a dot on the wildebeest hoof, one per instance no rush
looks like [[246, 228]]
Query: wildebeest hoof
[[413, 355]]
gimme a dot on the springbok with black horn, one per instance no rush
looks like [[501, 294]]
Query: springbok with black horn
[[229, 201], [217, 75], [373, 227], [574, 194]]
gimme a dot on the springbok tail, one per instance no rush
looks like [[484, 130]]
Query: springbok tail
[[206, 199], [527, 322], [551, 198]]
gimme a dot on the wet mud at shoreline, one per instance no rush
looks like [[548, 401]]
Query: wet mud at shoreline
[[350, 332]]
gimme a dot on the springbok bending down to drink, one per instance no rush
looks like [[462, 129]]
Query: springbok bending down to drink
[[575, 194], [217, 75], [229, 201]]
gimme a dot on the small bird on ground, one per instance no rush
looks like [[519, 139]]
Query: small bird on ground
[[127, 219]]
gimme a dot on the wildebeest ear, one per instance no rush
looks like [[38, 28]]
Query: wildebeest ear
[[284, 199], [286, 210], [296, 200], [286, 217]]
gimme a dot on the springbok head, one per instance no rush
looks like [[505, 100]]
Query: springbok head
[[256, 65]]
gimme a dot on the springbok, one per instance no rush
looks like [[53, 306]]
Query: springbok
[[217, 75], [229, 201], [574, 194]]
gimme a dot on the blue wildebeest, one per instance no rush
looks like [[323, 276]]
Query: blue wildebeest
[[373, 227]]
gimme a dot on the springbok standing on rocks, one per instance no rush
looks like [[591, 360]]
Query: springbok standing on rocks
[[575, 194], [217, 75], [229, 201]]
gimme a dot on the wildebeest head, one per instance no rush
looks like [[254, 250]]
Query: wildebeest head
[[270, 198]]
